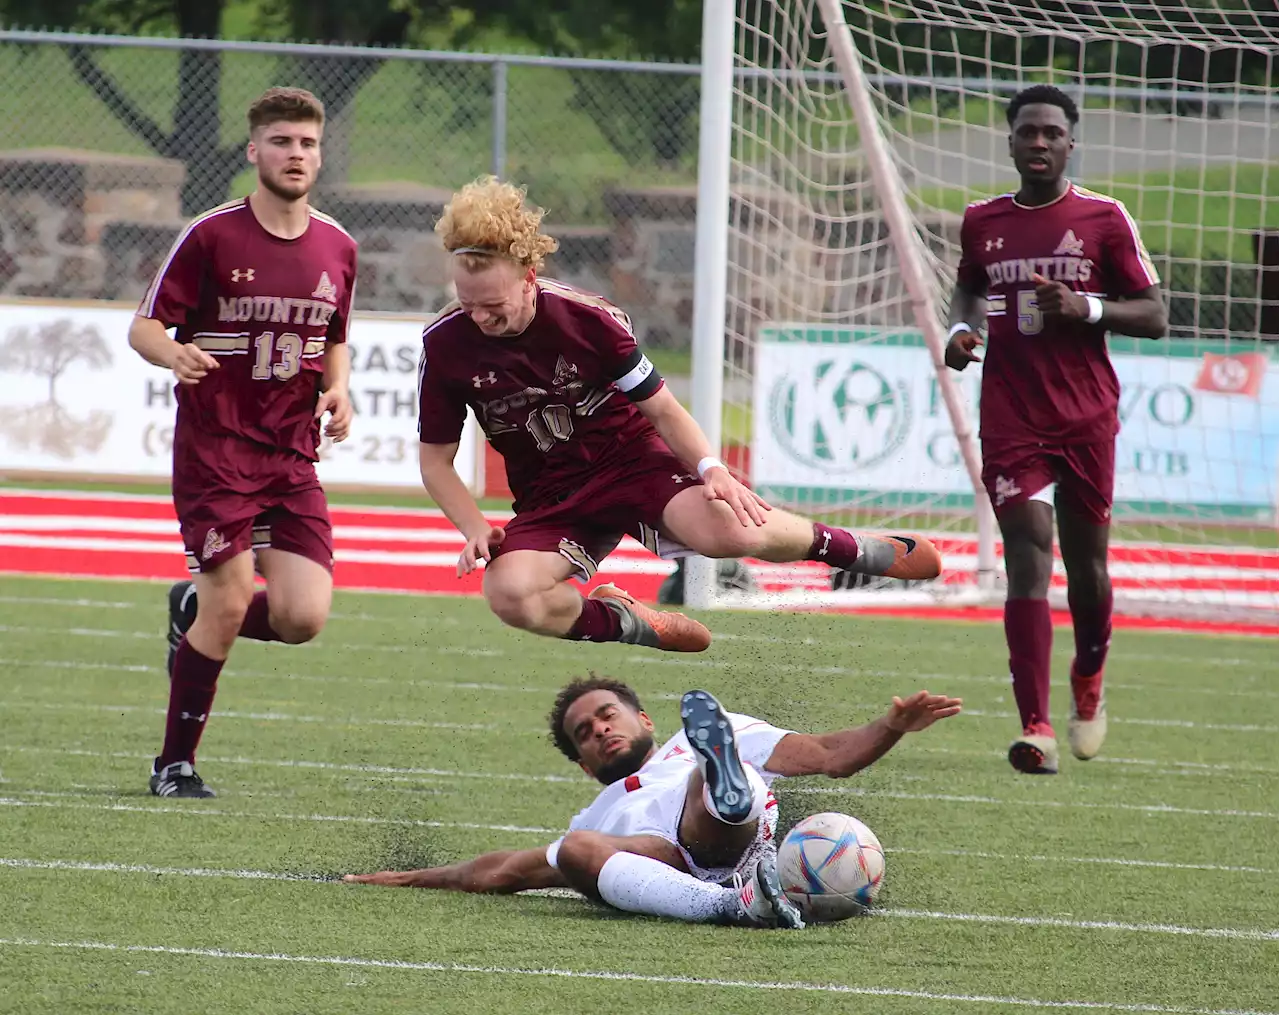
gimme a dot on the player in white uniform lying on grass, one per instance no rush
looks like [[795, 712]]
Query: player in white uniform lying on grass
[[675, 822]]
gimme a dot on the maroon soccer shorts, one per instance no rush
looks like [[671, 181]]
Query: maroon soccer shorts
[[1015, 471], [626, 499], [232, 495]]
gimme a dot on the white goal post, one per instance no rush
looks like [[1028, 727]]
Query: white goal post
[[840, 142]]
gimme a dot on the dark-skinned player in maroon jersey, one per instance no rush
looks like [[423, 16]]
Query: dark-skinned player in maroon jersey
[[260, 293], [596, 447], [1049, 271]]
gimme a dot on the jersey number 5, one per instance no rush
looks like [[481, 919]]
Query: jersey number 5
[[1030, 319], [264, 346], [549, 424]]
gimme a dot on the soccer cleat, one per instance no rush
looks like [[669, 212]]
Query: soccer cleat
[[761, 900], [710, 734], [671, 632], [178, 779], [1036, 751], [914, 558], [182, 614], [1087, 721]]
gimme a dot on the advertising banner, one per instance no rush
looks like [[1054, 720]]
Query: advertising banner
[[845, 414], [75, 398]]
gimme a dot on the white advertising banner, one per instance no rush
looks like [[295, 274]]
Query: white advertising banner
[[74, 398], [857, 413]]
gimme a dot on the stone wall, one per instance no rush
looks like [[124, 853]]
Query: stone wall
[[82, 225]]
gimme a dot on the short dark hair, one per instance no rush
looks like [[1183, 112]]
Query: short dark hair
[[570, 693], [294, 105], [1047, 95]]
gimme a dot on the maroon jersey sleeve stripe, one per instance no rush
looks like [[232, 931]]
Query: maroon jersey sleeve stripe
[[153, 291]]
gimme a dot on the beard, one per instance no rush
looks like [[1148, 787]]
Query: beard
[[287, 188], [627, 763]]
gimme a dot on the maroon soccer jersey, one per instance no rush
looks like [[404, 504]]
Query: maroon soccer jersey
[[1049, 381], [550, 399], [264, 307]]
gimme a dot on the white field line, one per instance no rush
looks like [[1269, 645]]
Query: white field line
[[354, 819], [318, 720], [798, 791], [332, 766], [895, 851], [651, 660], [617, 976], [998, 802]]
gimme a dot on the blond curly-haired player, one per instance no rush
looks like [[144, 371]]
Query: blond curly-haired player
[[596, 447]]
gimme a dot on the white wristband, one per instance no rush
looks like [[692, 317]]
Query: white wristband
[[956, 328], [709, 462], [1095, 309]]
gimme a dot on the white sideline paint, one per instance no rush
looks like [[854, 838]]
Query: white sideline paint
[[617, 976]]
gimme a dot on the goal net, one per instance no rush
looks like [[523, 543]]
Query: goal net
[[860, 131]]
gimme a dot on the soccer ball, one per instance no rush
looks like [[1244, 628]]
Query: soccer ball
[[831, 866]]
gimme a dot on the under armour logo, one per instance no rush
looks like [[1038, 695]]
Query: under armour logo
[[826, 544], [241, 274], [678, 479], [996, 244], [490, 378], [198, 718]]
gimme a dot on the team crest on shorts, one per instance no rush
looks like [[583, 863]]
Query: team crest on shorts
[[213, 543], [1005, 489]]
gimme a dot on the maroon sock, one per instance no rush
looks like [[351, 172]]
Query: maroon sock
[[1028, 629], [257, 620], [596, 622], [837, 547], [1092, 625], [195, 681]]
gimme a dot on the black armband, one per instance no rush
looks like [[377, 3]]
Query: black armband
[[640, 379]]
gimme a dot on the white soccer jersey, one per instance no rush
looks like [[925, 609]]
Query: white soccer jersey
[[651, 801]]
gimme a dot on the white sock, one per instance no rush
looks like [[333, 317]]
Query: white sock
[[759, 797], [640, 884]]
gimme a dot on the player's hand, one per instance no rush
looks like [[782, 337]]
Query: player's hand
[[959, 352], [337, 403], [191, 363], [920, 711], [480, 548], [719, 484], [1056, 299]]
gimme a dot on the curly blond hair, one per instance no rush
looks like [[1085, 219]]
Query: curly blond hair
[[488, 218]]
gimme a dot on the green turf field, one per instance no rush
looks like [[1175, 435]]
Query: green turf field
[[412, 733]]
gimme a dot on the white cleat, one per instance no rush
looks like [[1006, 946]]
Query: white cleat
[[1087, 735], [1035, 754]]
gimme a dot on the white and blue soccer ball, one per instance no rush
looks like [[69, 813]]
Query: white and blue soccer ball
[[831, 866]]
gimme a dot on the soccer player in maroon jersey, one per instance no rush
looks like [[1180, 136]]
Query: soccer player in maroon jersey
[[595, 445], [260, 293], [1049, 271]]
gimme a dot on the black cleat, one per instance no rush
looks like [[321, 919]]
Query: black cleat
[[179, 780], [182, 614], [711, 734]]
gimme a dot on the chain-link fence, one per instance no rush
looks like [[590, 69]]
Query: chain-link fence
[[112, 143]]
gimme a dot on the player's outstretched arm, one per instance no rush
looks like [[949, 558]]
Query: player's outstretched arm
[[494, 873], [435, 462], [688, 443], [841, 754]]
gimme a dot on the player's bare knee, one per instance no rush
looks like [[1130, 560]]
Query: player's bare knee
[[514, 606], [296, 627], [1029, 568]]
